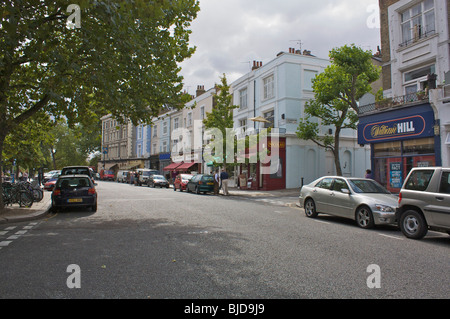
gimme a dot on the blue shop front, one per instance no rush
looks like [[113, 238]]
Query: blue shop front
[[400, 139]]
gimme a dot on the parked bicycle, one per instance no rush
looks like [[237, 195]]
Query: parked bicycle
[[17, 193]]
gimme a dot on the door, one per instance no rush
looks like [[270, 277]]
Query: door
[[340, 202], [321, 195], [440, 209]]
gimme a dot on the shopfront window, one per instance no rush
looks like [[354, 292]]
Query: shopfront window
[[394, 160]]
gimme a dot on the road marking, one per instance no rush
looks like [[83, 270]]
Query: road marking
[[5, 243], [11, 228], [3, 232], [320, 221], [389, 236], [21, 232]]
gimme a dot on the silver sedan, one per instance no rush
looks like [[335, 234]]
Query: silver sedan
[[360, 199]]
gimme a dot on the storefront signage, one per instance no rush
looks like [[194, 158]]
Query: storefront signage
[[394, 129]]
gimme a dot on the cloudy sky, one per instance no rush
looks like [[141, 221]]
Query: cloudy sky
[[230, 34]]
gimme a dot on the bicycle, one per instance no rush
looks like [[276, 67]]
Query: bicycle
[[17, 193]]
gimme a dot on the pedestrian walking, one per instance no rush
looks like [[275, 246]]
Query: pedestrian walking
[[216, 182], [224, 179]]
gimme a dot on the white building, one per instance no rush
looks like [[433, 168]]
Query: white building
[[278, 91]]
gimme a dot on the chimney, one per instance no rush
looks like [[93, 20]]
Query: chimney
[[256, 65], [200, 90]]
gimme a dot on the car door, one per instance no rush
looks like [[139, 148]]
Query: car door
[[340, 202], [321, 194], [440, 202]]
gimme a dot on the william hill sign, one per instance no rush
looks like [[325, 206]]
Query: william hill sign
[[380, 130]]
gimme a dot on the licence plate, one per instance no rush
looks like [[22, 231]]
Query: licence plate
[[75, 200], [209, 183]]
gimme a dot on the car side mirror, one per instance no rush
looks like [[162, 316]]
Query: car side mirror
[[345, 191]]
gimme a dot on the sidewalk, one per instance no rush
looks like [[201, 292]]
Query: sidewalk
[[16, 214], [292, 192]]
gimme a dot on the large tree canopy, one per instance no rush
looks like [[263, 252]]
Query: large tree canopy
[[123, 59]]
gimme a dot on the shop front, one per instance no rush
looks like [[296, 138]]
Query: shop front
[[264, 176], [400, 140]]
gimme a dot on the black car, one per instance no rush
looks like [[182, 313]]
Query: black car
[[78, 170], [157, 180], [74, 191]]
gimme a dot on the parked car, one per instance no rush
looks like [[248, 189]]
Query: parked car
[[181, 181], [49, 175], [74, 191], [78, 170], [157, 180], [144, 174], [122, 176], [50, 183], [424, 202], [201, 183], [107, 175], [360, 199]]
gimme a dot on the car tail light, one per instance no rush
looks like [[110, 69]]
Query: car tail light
[[200, 183], [91, 191], [399, 198], [56, 192]]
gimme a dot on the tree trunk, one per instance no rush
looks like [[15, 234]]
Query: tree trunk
[[337, 161]]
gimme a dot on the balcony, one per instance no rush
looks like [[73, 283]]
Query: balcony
[[398, 101]]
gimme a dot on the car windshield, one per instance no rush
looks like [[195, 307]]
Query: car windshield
[[208, 178], [186, 177], [367, 186], [75, 182], [109, 172], [76, 171], [158, 177], [148, 173]]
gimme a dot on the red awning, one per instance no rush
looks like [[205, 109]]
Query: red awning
[[172, 166], [185, 166]]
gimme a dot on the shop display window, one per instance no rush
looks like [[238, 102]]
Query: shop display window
[[394, 160]]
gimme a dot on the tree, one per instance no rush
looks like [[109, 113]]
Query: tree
[[336, 92], [221, 117], [123, 59]]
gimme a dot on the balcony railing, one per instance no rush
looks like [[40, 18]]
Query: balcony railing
[[394, 102]]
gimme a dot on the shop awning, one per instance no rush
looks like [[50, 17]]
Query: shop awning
[[172, 166], [185, 166]]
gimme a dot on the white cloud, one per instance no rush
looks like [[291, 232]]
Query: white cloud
[[230, 34]]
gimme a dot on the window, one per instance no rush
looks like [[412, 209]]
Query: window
[[164, 147], [339, 184], [445, 183], [140, 132], [189, 119], [269, 116], [243, 98], [417, 80], [139, 150], [418, 22], [268, 84], [155, 130], [243, 124], [202, 112], [308, 78], [419, 180], [176, 123], [164, 128], [325, 183]]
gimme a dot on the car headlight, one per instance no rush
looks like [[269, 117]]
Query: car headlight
[[385, 208]]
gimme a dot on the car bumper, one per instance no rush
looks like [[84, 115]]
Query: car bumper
[[384, 218], [81, 201]]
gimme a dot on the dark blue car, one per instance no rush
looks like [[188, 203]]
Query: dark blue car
[[74, 191], [201, 184]]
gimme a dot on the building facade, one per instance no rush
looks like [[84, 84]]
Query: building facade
[[277, 92], [409, 127]]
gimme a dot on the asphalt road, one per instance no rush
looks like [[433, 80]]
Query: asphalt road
[[157, 243]]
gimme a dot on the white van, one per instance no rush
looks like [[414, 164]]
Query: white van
[[144, 174], [122, 176]]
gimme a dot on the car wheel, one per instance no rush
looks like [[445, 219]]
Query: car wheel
[[310, 208], [174, 188], [364, 217], [94, 208], [197, 190], [413, 225]]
